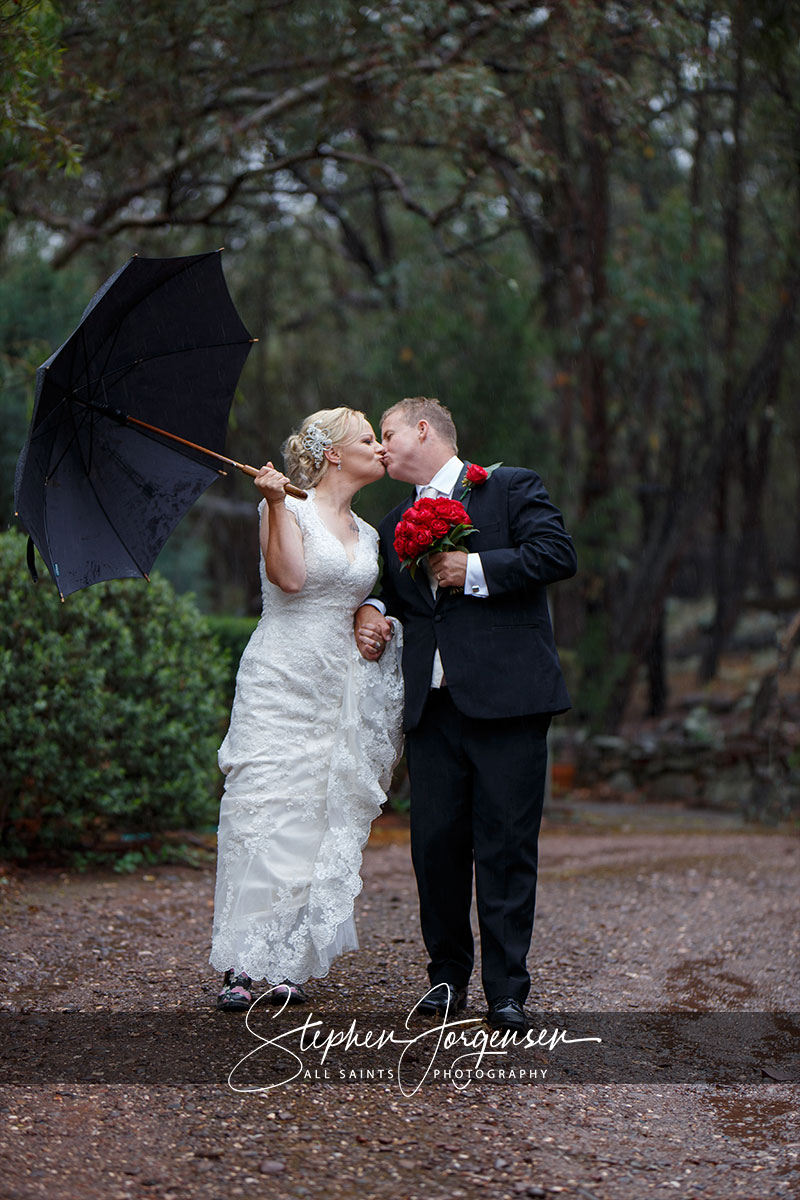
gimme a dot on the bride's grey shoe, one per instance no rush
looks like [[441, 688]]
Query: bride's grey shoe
[[235, 995], [285, 991]]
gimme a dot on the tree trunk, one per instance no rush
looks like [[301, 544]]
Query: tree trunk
[[796, 556], [723, 581], [655, 658], [593, 372], [656, 669], [755, 467]]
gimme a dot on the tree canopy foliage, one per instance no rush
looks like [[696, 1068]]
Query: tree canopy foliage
[[30, 67], [577, 223]]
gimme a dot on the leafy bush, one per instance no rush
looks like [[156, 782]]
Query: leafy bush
[[113, 708]]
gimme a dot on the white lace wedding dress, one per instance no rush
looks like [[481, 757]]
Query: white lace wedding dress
[[315, 731]]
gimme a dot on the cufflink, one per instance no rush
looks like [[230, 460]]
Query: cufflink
[[475, 589]]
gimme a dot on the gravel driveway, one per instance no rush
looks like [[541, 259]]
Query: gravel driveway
[[637, 912]]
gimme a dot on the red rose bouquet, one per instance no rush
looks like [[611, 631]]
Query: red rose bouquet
[[428, 527]]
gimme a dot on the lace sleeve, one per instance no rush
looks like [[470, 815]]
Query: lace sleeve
[[294, 507]]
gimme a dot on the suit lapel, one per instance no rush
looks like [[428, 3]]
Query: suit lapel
[[459, 488]]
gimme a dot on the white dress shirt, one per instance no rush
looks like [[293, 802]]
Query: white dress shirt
[[444, 484]]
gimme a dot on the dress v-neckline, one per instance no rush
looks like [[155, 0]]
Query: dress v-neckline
[[313, 497]]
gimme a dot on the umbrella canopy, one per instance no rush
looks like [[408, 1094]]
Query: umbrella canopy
[[160, 343]]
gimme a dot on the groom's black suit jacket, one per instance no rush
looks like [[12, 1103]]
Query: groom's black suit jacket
[[498, 653]]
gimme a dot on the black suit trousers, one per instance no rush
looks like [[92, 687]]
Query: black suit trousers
[[477, 788]]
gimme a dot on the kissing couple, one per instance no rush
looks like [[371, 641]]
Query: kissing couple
[[455, 651]]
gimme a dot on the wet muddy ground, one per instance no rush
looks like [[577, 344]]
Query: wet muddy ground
[[638, 911]]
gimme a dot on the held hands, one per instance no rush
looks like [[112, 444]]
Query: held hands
[[449, 569], [372, 632], [270, 483]]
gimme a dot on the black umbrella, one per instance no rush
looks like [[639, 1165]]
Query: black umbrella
[[127, 415]]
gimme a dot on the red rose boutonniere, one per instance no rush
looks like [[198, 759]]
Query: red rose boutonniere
[[428, 527], [476, 475]]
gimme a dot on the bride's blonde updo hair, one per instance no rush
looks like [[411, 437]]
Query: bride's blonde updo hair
[[303, 451]]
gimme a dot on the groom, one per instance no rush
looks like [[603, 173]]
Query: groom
[[482, 680]]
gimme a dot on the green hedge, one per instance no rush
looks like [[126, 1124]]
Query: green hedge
[[113, 706]]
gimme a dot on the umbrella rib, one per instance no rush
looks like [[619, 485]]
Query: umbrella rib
[[101, 377], [177, 448], [128, 367], [102, 508], [86, 359], [54, 567], [75, 431], [100, 504], [42, 429], [163, 283], [154, 435]]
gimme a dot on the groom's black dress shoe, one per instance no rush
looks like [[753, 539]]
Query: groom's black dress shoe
[[443, 997], [507, 1014]]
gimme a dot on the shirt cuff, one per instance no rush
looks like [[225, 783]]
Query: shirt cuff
[[381, 607], [475, 582]]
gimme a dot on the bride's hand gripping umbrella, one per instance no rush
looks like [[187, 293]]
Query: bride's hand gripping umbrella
[[129, 420]]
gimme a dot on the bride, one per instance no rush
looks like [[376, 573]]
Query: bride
[[315, 728]]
